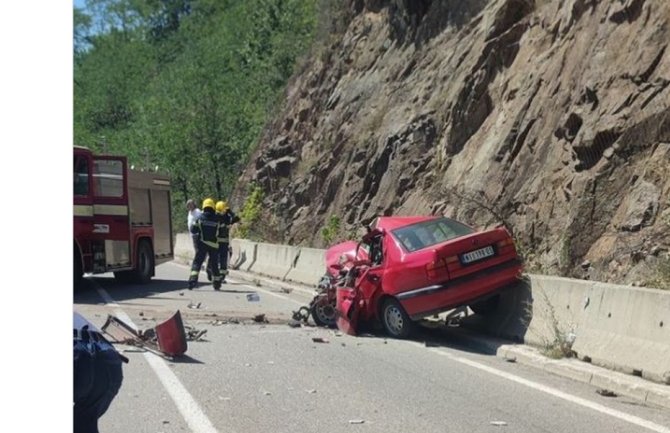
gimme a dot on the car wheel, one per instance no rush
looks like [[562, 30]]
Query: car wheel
[[395, 320], [145, 263], [324, 314], [486, 306]]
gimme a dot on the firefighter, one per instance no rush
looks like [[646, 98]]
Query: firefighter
[[227, 218], [207, 228]]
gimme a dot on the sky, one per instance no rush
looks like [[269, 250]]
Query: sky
[[35, 171]]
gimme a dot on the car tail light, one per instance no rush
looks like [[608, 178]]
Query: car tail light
[[505, 244], [436, 267]]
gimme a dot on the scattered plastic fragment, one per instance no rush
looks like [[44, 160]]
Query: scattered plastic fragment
[[320, 340], [356, 421], [311, 391], [260, 318], [498, 423], [253, 297]]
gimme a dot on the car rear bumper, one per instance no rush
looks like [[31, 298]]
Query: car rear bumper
[[434, 299]]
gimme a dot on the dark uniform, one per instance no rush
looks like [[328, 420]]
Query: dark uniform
[[228, 218], [207, 227]]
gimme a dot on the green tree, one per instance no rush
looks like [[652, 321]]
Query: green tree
[[184, 85]]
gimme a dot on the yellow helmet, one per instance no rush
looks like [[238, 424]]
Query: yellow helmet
[[220, 206], [208, 202]]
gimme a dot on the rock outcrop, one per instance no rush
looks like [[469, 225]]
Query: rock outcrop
[[552, 116]]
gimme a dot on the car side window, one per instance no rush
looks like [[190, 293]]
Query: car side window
[[376, 255]]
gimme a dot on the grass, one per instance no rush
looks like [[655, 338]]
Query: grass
[[559, 344]]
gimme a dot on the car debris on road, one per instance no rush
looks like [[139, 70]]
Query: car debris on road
[[166, 339], [260, 318]]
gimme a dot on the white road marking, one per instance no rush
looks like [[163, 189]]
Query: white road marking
[[188, 407], [553, 391]]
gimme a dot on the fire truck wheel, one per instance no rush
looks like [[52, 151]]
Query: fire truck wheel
[[145, 263]]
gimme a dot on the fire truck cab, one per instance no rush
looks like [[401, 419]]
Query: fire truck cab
[[122, 221]]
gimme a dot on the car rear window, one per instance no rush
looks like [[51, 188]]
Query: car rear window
[[427, 233]]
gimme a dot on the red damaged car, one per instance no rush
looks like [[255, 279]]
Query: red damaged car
[[407, 268]]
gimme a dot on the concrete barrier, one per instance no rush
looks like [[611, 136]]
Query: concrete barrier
[[619, 327], [274, 260], [309, 267], [183, 248], [244, 254]]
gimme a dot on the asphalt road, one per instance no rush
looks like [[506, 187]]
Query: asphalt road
[[268, 377]]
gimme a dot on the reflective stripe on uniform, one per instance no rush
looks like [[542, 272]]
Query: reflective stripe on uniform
[[210, 244], [194, 273]]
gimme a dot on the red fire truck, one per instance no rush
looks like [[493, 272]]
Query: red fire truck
[[122, 221]]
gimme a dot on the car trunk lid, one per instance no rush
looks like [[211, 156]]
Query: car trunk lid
[[471, 253]]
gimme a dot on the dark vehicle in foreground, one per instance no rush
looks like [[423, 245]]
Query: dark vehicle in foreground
[[408, 268]]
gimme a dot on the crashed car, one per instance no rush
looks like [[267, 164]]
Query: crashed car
[[408, 268]]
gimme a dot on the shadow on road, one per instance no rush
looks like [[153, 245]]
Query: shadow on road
[[123, 291], [438, 334], [185, 359]]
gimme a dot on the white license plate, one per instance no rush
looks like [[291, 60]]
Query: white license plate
[[475, 255]]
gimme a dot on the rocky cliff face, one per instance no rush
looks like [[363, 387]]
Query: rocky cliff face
[[552, 116]]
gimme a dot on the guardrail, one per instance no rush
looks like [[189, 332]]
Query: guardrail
[[623, 328]]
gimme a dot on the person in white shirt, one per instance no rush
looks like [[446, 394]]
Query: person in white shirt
[[193, 215]]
